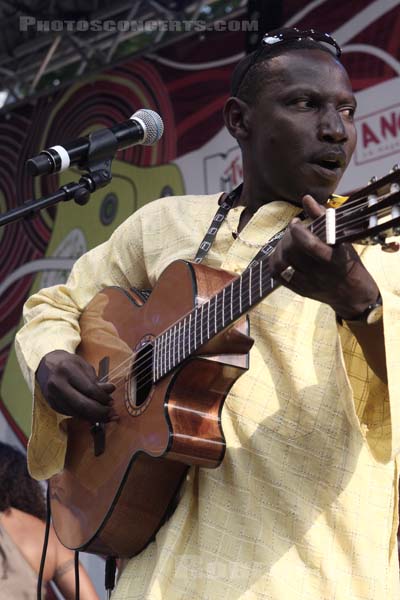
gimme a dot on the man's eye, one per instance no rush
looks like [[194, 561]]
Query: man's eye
[[305, 103], [348, 111]]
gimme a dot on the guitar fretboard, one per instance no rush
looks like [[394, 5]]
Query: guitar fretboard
[[210, 318]]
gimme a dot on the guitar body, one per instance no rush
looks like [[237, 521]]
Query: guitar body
[[121, 479]]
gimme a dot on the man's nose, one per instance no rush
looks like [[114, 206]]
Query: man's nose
[[331, 126]]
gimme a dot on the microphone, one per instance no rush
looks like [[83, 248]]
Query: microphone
[[143, 127]]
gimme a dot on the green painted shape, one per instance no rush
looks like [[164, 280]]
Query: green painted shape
[[134, 187]]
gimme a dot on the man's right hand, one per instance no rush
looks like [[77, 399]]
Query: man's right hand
[[71, 387]]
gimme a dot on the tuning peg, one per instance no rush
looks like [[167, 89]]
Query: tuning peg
[[390, 247], [394, 188], [385, 246]]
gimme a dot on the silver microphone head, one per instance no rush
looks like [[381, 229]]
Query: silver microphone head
[[152, 124]]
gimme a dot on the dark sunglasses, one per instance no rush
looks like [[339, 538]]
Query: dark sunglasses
[[278, 36], [285, 35]]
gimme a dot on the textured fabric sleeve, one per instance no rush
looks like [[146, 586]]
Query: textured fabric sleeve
[[378, 406], [51, 322]]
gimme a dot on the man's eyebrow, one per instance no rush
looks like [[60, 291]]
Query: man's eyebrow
[[302, 88]]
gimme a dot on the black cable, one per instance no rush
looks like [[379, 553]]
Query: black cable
[[44, 550], [76, 561], [109, 574]]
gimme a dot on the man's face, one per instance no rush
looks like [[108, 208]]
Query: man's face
[[302, 133]]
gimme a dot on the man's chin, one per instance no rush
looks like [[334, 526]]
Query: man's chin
[[320, 183], [320, 193]]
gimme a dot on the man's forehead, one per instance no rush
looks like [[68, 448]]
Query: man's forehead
[[304, 65]]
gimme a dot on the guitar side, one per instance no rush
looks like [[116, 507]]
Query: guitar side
[[121, 480]]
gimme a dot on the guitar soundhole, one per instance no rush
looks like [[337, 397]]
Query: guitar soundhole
[[140, 381]]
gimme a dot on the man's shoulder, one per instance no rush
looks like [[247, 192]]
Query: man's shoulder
[[175, 204]]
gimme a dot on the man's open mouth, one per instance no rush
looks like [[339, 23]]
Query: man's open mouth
[[330, 164], [330, 160]]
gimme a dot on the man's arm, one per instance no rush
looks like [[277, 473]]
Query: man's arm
[[372, 342], [47, 342], [335, 276]]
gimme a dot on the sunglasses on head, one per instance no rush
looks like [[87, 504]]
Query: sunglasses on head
[[286, 35], [281, 36]]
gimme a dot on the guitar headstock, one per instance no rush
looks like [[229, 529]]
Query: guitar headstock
[[372, 214]]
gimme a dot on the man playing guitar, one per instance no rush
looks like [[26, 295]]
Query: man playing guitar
[[304, 503]]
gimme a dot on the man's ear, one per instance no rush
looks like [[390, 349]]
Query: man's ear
[[237, 118]]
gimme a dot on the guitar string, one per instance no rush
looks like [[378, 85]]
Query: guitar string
[[116, 371]]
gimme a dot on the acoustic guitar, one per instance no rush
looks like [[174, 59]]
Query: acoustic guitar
[[173, 355]]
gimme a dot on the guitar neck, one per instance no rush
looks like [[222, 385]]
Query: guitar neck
[[210, 318], [216, 314]]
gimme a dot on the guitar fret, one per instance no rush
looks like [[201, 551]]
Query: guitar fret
[[195, 327], [190, 324], [201, 323], [168, 354], [215, 315], [168, 349], [261, 266], [159, 359], [208, 320], [159, 368], [173, 360], [179, 342], [231, 301], [161, 356], [240, 293], [223, 307], [183, 337], [155, 360], [250, 274], [167, 346], [174, 352], [165, 352]]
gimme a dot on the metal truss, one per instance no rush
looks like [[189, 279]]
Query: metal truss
[[45, 44]]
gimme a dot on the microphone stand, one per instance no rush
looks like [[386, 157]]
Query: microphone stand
[[102, 147]]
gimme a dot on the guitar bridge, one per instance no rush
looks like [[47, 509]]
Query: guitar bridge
[[99, 438]]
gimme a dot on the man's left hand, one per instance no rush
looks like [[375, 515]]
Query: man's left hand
[[334, 275]]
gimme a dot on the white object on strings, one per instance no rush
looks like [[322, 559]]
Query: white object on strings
[[330, 226], [395, 187], [373, 220]]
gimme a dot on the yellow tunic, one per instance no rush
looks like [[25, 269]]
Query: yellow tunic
[[304, 505]]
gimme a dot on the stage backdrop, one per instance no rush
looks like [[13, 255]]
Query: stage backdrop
[[187, 84]]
